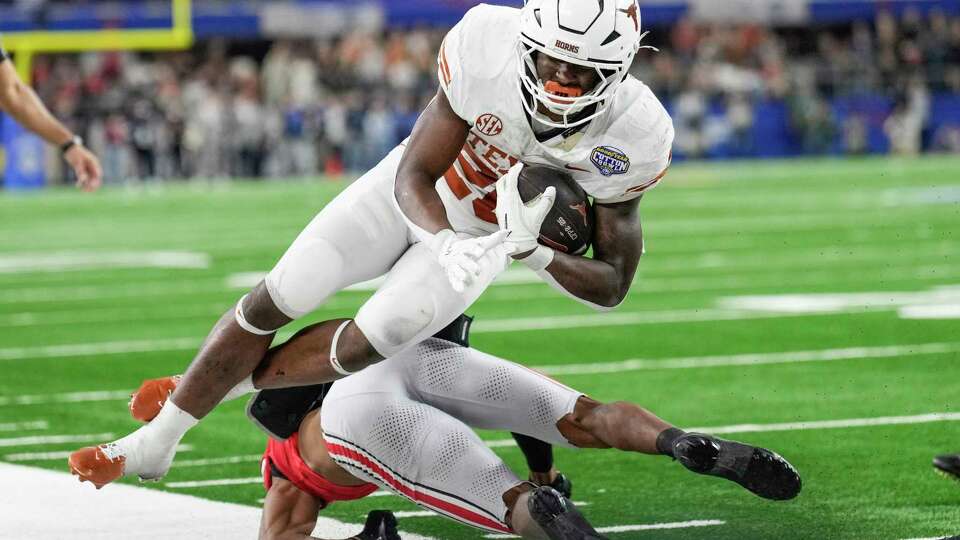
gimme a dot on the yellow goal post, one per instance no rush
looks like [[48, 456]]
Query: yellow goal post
[[24, 45]]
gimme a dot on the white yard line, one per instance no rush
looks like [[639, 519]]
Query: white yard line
[[481, 326], [593, 320], [25, 426], [800, 426], [68, 397], [64, 454], [95, 259], [415, 513], [99, 348], [751, 359], [683, 362], [645, 527], [252, 458], [55, 439], [833, 424], [215, 482], [941, 312], [130, 512]]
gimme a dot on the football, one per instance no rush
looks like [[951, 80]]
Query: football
[[568, 226]]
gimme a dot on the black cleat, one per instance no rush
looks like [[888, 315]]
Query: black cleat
[[948, 465], [380, 525], [558, 517], [563, 485], [760, 471]]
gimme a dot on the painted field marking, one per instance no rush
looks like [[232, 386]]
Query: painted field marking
[[646, 527], [68, 397], [416, 513], [98, 348], [482, 326], [216, 482], [683, 362], [833, 424], [64, 454], [593, 320], [252, 458], [93, 259], [24, 426], [131, 512], [799, 426], [646, 285], [751, 359], [941, 312], [843, 302], [54, 439]]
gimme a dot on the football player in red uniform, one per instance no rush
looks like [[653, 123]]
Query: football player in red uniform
[[405, 425]]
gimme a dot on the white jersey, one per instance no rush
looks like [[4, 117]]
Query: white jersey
[[616, 157]]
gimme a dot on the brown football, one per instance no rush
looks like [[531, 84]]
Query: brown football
[[568, 226]]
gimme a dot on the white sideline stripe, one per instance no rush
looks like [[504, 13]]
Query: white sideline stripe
[[68, 397], [130, 512], [801, 426], [217, 482], [218, 461], [24, 426], [381, 493], [750, 359], [87, 260], [53, 456], [833, 424], [54, 439], [648, 527]]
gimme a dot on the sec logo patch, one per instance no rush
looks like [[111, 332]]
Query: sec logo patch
[[489, 124], [609, 160]]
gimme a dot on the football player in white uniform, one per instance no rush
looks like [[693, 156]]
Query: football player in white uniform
[[546, 84]]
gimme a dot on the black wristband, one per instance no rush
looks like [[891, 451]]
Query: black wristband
[[74, 141]]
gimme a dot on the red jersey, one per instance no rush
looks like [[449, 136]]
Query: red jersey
[[284, 457]]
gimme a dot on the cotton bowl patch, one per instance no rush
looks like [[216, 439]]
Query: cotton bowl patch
[[610, 160]]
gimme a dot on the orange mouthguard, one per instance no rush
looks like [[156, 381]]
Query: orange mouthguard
[[559, 90]]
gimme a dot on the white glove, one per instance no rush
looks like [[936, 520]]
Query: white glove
[[521, 220], [463, 260]]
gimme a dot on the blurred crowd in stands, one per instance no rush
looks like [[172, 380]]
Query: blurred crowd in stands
[[297, 108]]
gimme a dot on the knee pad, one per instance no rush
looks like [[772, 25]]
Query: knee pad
[[307, 274], [393, 320]]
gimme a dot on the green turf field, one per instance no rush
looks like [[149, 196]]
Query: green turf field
[[82, 311]]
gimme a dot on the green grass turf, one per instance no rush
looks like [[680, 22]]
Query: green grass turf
[[713, 231]]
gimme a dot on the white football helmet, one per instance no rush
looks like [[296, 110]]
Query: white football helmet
[[601, 34]]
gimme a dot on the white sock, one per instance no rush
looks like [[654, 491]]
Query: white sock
[[242, 388], [149, 450], [172, 423]]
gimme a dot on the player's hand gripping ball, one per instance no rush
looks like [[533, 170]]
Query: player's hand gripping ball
[[568, 226]]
